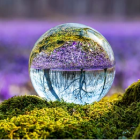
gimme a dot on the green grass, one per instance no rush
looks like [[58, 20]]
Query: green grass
[[31, 117]]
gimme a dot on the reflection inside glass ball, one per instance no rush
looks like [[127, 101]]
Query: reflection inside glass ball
[[72, 62]]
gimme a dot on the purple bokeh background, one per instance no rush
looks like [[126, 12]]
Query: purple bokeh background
[[17, 38], [22, 22]]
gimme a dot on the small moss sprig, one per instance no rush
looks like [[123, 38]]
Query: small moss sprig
[[32, 117], [137, 133]]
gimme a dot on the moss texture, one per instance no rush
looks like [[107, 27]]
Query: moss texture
[[31, 117]]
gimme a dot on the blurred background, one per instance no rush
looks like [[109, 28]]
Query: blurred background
[[22, 22]]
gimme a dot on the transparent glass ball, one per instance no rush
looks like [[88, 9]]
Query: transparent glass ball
[[72, 62]]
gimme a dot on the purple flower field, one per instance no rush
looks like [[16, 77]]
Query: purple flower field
[[17, 39], [71, 56]]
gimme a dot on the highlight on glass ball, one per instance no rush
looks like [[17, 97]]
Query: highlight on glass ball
[[72, 62]]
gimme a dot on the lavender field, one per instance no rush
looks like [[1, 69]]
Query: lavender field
[[17, 38]]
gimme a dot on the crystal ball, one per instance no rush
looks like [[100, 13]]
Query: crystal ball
[[72, 62]]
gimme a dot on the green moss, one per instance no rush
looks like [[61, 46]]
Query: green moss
[[137, 133], [31, 117], [132, 94]]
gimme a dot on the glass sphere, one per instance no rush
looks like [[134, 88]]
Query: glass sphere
[[72, 62]]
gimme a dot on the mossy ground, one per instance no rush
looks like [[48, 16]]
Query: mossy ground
[[31, 117]]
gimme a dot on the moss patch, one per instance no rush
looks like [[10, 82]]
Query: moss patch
[[132, 94], [31, 117]]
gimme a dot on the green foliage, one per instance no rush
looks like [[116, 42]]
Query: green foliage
[[31, 117]]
